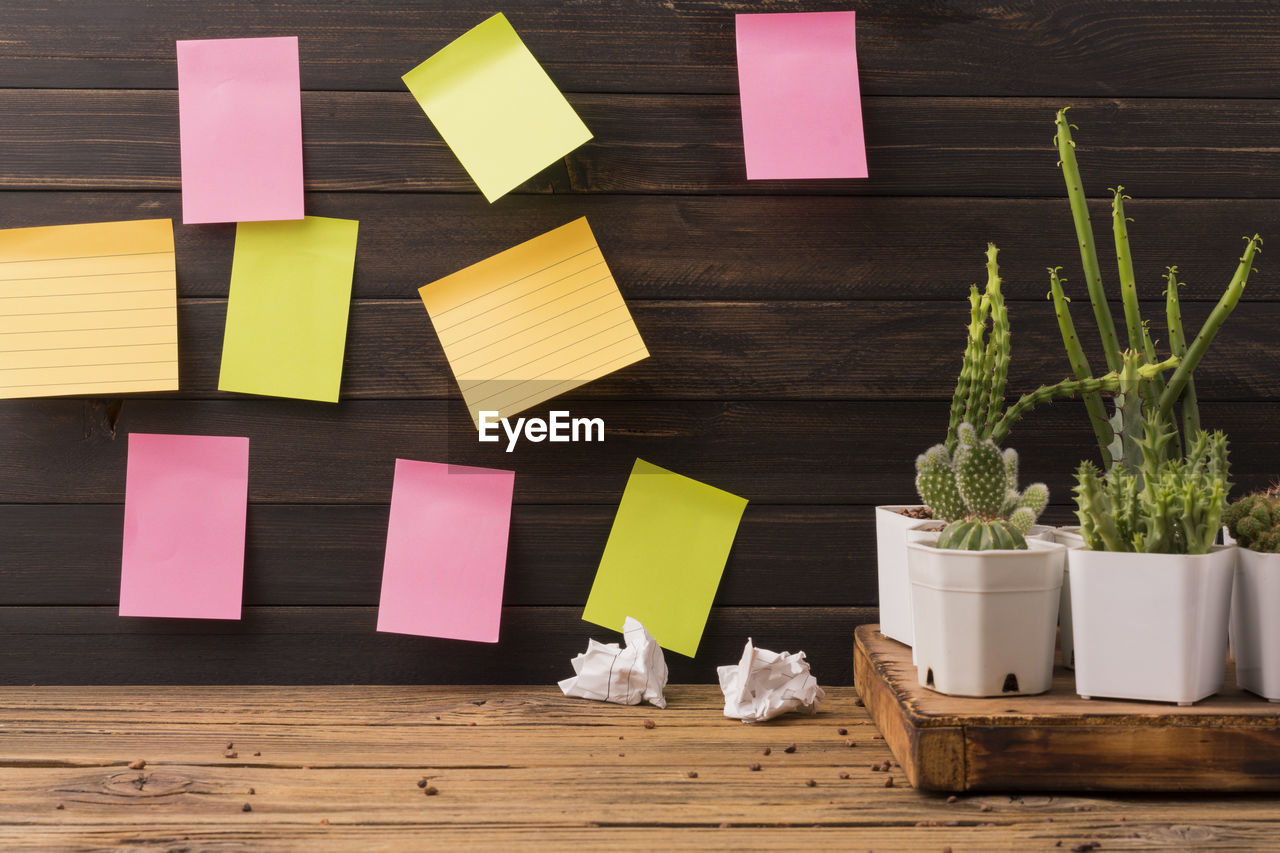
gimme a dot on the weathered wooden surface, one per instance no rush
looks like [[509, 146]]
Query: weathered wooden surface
[[681, 144], [336, 768], [1166, 48], [1059, 742], [804, 333], [715, 248], [757, 350], [773, 452]]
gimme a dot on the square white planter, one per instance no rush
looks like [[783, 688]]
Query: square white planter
[[985, 620], [1255, 628], [893, 530], [891, 571], [1071, 538], [1150, 626]]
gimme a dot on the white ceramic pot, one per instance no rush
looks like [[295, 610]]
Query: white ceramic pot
[[1150, 626], [891, 569], [1255, 630], [985, 620], [1071, 538]]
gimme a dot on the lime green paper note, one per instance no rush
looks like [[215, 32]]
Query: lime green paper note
[[496, 107], [287, 314], [665, 554]]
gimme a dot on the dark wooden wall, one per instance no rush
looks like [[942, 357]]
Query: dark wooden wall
[[804, 335]]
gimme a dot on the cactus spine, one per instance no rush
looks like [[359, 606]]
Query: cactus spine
[[975, 490]]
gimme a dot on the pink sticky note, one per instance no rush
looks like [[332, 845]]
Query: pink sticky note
[[240, 113], [801, 106], [446, 551], [184, 515]]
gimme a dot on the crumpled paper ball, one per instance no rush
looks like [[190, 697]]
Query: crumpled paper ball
[[610, 673], [766, 684]]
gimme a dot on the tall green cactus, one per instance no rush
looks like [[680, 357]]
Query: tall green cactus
[[980, 388], [1116, 436], [975, 490]]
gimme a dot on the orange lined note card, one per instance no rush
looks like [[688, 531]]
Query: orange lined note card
[[88, 309], [533, 322]]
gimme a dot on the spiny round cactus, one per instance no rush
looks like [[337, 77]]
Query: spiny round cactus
[[975, 490], [978, 535], [1254, 521]]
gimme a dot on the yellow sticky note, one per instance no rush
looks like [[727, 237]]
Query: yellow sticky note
[[287, 313], [665, 554], [496, 107], [533, 322], [88, 309]]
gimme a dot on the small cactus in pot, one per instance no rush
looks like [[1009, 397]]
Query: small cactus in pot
[[1254, 521], [975, 490]]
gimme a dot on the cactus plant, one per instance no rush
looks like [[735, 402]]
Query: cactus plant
[[1118, 436], [975, 489], [1254, 520], [1172, 505], [980, 388]]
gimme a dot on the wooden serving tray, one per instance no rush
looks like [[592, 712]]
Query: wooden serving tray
[[1059, 742]]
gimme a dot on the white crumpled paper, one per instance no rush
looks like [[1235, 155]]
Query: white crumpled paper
[[627, 676], [766, 684]]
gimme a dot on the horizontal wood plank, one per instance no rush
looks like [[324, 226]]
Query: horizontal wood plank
[[332, 555], [336, 768], [789, 350], [339, 645], [680, 144], [1098, 47], [733, 247], [73, 451]]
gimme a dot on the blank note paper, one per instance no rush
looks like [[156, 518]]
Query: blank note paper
[[287, 313], [801, 106], [667, 549], [240, 114], [88, 309], [184, 522], [533, 322], [496, 107], [446, 551]]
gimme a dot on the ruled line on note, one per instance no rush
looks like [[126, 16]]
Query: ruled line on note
[[107, 255], [534, 329], [562, 314], [80, 257], [83, 275], [550, 284], [518, 280]]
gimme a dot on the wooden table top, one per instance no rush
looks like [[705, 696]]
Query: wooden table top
[[339, 768]]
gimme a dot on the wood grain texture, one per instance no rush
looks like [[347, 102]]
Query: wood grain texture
[[679, 144], [336, 768], [1059, 742], [1095, 47], [765, 350], [796, 453], [714, 248], [339, 645], [332, 555]]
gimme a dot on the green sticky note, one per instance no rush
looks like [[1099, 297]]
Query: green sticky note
[[496, 107], [665, 554], [287, 313]]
